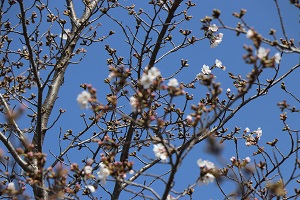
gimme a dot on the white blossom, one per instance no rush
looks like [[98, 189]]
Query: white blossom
[[111, 76], [277, 57], [250, 33], [160, 151], [213, 28], [207, 178], [103, 172], [198, 76], [87, 169], [262, 52], [247, 159], [148, 79], [91, 188], [233, 159], [133, 103], [189, 118], [216, 40], [258, 132], [247, 130], [11, 186], [173, 82], [218, 63], [228, 90], [64, 36], [83, 99], [205, 70], [205, 164]]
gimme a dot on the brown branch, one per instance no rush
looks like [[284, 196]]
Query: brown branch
[[163, 32]]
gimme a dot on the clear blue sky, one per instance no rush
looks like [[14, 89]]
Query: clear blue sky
[[261, 15]]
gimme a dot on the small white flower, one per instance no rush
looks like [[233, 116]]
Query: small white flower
[[247, 130], [218, 63], [216, 40], [83, 99], [232, 159], [133, 103], [262, 52], [11, 186], [277, 57], [250, 33], [160, 151], [247, 159], [91, 188], [189, 118], [228, 90], [111, 76], [146, 81], [205, 164], [87, 169], [173, 82], [207, 178], [205, 70], [154, 72], [64, 36], [213, 28], [258, 132], [103, 172]]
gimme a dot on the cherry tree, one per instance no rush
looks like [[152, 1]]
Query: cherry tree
[[140, 125]]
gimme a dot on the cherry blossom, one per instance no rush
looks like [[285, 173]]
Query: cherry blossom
[[217, 39], [247, 130], [262, 52], [228, 90], [173, 82], [250, 33], [91, 188], [11, 186], [206, 179], [83, 99], [87, 170], [147, 79], [213, 28], [277, 57], [247, 159], [205, 70], [103, 172], [205, 164], [133, 103], [189, 118], [160, 151]]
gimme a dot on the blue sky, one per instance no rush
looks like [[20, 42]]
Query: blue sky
[[263, 112]]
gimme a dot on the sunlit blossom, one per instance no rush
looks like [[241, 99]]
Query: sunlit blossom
[[216, 40], [247, 130], [205, 69], [258, 132], [133, 103], [160, 151], [277, 57], [213, 28], [87, 169], [250, 33], [247, 159], [233, 159], [206, 179], [91, 188], [11, 186], [173, 82], [262, 52], [103, 172], [148, 79], [189, 118], [205, 164], [228, 90], [83, 99]]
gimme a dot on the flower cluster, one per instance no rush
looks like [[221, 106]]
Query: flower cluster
[[207, 169], [103, 172], [206, 70], [149, 77], [253, 137], [83, 99], [160, 151], [238, 163]]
